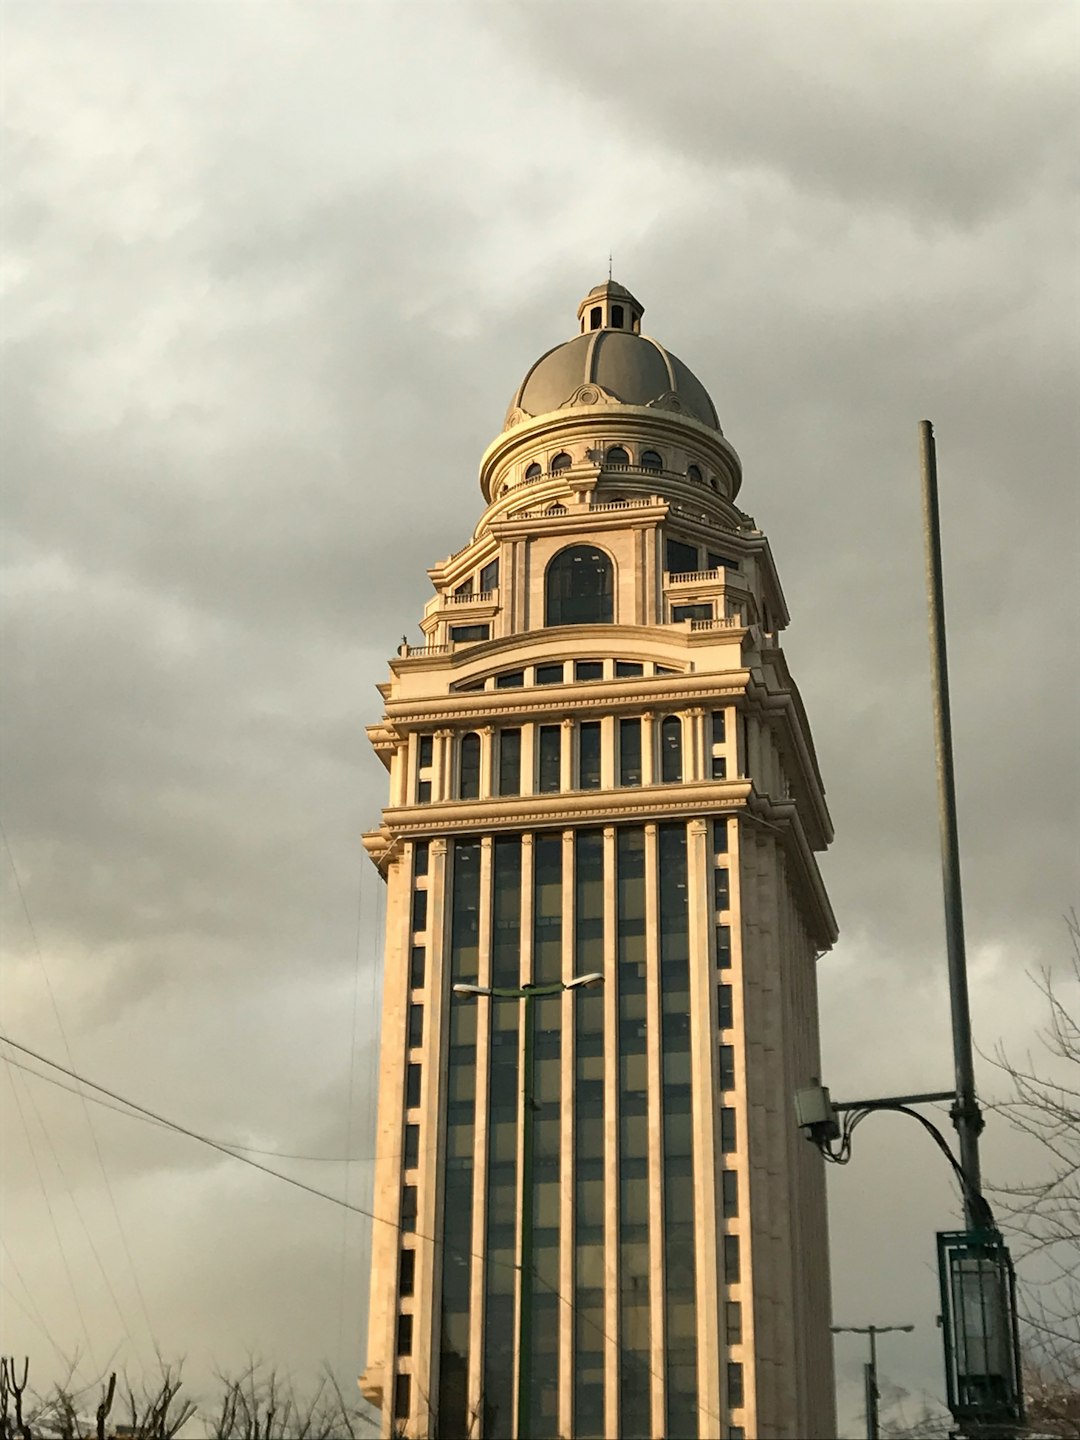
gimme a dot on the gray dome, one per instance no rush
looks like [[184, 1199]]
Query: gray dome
[[605, 364]]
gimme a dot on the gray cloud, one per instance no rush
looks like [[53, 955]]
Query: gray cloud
[[273, 277]]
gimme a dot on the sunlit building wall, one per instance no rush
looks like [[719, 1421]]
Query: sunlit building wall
[[599, 762]]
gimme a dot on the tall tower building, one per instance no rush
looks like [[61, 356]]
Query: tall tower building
[[599, 762]]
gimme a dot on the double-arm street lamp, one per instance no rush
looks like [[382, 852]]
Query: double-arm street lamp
[[870, 1369], [527, 993]]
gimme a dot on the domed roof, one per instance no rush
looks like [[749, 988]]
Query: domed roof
[[611, 362]]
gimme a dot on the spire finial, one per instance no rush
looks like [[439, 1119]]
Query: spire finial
[[609, 264]]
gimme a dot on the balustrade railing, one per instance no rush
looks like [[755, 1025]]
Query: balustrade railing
[[688, 577], [474, 597]]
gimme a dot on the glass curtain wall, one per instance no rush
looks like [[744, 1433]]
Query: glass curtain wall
[[504, 1117], [453, 1418], [547, 1094], [680, 1309], [588, 1368], [634, 1321]]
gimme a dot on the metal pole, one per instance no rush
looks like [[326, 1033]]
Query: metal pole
[[965, 1113], [872, 1427], [525, 1288]]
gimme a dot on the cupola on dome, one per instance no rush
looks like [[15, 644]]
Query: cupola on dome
[[611, 362]]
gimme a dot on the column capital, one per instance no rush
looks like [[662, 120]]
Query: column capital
[[568, 722], [438, 846], [444, 734], [695, 712]]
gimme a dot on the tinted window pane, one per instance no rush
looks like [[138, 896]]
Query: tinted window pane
[[731, 1259], [416, 967], [628, 668], [719, 727], [459, 633], [589, 670], [691, 612], [727, 1067], [423, 792], [719, 767], [733, 1322], [509, 762], [407, 1272], [412, 1087], [720, 888], [424, 751], [671, 750], [680, 558], [402, 1396], [629, 752], [489, 576], [510, 680], [720, 837], [404, 1334], [419, 909], [722, 562], [412, 1147], [549, 674], [589, 756], [579, 587], [723, 1005], [416, 1025], [723, 952], [408, 1208], [420, 857], [469, 768], [731, 1194], [550, 758], [651, 460], [734, 1384], [727, 1130]]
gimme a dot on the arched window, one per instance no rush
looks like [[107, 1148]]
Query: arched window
[[651, 460], [693, 472], [617, 456], [562, 461], [595, 317], [579, 588], [671, 750], [617, 316], [469, 768], [533, 472]]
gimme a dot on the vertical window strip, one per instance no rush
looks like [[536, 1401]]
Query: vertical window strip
[[504, 1118], [509, 762], [630, 752], [671, 765], [453, 1398], [469, 767], [635, 1325], [547, 1099], [680, 1305], [589, 755], [589, 1185]]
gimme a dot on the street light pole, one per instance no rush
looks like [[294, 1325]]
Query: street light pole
[[873, 1395], [527, 994]]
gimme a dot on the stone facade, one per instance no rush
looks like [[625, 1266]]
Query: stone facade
[[599, 761]]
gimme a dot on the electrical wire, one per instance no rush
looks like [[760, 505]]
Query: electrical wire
[[461, 1256], [86, 1111]]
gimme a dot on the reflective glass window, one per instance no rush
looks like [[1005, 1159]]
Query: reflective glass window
[[408, 1209], [549, 674], [589, 1172], [733, 1322], [719, 727], [412, 1087], [651, 460], [630, 752], [420, 857], [617, 317], [550, 758], [423, 792], [404, 1334], [625, 669], [510, 680], [424, 751], [489, 575], [734, 1384], [617, 456], [731, 1260], [722, 562], [720, 841], [589, 670], [402, 1396], [561, 461], [671, 750], [719, 767], [532, 471], [469, 767], [509, 762], [589, 755], [460, 633], [579, 587]]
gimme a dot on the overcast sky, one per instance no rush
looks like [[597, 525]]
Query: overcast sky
[[272, 273]]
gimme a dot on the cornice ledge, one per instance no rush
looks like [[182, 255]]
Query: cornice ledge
[[453, 708]]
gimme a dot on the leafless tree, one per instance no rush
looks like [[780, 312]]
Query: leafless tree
[[1042, 1211]]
